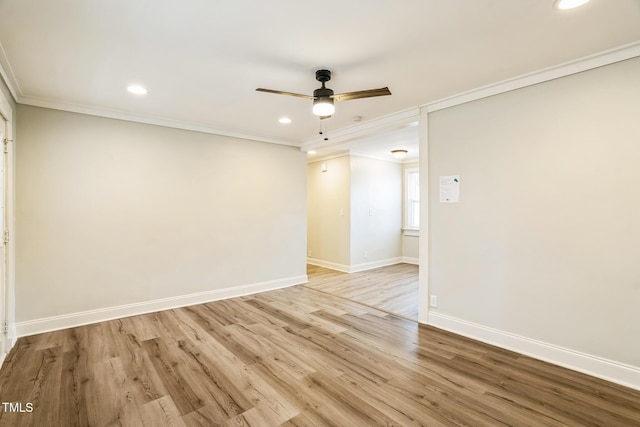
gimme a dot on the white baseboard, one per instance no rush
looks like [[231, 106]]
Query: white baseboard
[[375, 264], [411, 260], [355, 267], [328, 264], [71, 320], [609, 370]]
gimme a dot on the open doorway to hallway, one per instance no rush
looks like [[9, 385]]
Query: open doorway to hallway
[[363, 215]]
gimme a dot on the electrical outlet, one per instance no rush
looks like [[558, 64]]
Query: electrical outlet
[[366, 254], [433, 302], [310, 252]]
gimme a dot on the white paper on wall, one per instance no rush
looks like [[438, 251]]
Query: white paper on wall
[[450, 189]]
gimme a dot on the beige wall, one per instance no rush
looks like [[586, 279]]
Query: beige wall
[[328, 204], [354, 207], [112, 212], [545, 241], [376, 210]]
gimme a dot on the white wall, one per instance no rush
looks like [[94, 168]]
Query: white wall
[[329, 210], [545, 241], [111, 213], [376, 211]]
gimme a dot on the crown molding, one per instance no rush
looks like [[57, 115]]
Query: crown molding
[[7, 75], [611, 56], [119, 115], [388, 122]]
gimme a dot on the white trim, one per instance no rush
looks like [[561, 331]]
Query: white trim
[[355, 268], [609, 370], [37, 326], [137, 118], [423, 242], [409, 229], [618, 54], [6, 73], [411, 260], [328, 264], [411, 232], [7, 112], [375, 264], [390, 121]]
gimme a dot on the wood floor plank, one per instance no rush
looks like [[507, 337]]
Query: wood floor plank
[[297, 356], [146, 384], [161, 412], [165, 364], [73, 403], [44, 392]]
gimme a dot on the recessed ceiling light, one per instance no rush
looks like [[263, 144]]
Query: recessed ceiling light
[[285, 120], [568, 4], [311, 152], [137, 89]]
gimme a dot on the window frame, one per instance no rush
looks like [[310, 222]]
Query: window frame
[[411, 198]]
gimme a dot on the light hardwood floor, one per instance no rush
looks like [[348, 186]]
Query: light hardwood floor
[[393, 288], [292, 357]]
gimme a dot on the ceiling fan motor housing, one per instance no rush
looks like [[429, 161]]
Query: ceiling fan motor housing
[[323, 92], [323, 75]]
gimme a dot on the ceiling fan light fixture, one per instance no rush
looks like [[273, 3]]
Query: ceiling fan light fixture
[[323, 107], [399, 154]]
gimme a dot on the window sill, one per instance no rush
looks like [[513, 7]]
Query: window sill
[[414, 232]]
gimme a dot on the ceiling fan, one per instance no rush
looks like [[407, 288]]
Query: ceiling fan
[[323, 97]]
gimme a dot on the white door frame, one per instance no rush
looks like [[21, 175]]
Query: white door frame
[[7, 283]]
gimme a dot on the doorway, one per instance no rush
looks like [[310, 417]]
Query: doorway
[[362, 219]]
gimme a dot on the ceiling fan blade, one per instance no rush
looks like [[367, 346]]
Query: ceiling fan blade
[[362, 94], [324, 117], [279, 92]]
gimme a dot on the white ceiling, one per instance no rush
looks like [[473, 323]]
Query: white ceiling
[[201, 60]]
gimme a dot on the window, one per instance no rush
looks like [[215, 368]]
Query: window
[[412, 199]]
